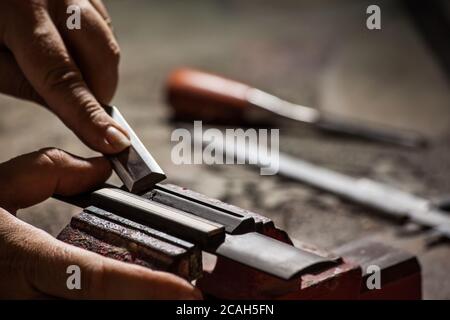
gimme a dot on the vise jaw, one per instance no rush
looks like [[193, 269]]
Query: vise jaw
[[231, 252]]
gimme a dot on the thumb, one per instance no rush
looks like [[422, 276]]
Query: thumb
[[34, 177]]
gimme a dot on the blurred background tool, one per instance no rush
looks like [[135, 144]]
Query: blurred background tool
[[196, 95], [383, 198]]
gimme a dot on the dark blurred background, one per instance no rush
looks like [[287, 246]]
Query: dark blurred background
[[316, 53]]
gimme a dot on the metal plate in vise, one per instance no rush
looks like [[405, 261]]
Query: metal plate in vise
[[179, 223], [233, 222]]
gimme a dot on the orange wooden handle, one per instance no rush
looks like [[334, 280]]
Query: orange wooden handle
[[196, 95]]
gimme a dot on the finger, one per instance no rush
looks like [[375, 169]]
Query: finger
[[44, 262], [98, 63], [13, 81], [33, 177], [43, 57], [101, 9]]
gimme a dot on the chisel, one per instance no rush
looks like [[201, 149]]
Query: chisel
[[366, 192], [196, 95], [135, 166]]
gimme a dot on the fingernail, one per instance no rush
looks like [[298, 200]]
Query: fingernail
[[117, 139]]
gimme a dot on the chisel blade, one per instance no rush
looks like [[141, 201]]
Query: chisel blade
[[135, 166]]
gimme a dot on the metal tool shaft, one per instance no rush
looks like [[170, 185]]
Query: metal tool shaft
[[177, 222], [334, 123], [366, 192]]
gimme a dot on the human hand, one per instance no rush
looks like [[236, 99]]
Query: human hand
[[33, 264], [69, 71]]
